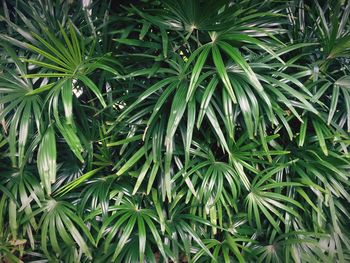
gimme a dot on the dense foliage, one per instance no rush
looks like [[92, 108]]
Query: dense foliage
[[174, 131]]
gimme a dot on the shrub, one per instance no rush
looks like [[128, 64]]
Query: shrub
[[174, 131]]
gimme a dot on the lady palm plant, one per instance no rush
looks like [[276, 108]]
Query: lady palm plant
[[174, 131]]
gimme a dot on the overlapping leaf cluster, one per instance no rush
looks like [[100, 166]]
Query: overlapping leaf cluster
[[174, 131]]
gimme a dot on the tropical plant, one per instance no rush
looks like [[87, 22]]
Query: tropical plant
[[174, 131]]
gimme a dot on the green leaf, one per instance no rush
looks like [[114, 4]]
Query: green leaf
[[23, 131], [124, 141], [206, 98], [71, 139], [191, 118], [215, 123], [237, 58], [245, 107], [142, 174], [75, 183], [302, 133], [196, 71], [131, 161], [67, 99], [41, 89], [334, 102], [47, 155], [146, 94], [177, 110], [165, 41], [88, 82], [220, 67], [343, 82], [320, 136], [124, 237], [142, 237]]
